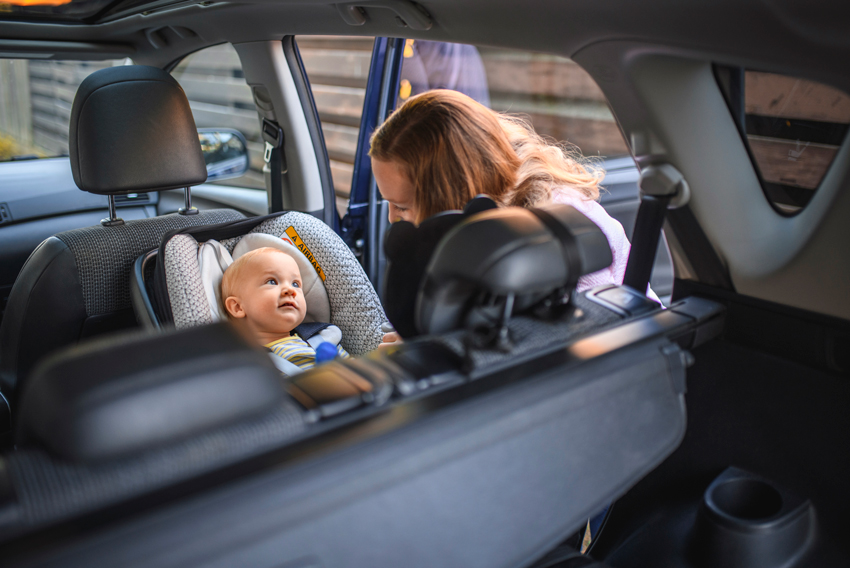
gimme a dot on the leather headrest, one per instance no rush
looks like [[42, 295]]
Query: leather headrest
[[527, 254], [118, 396], [409, 249], [132, 130]]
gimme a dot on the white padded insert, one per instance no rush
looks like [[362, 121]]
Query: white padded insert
[[214, 259]]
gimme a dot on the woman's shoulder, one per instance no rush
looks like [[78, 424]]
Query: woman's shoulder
[[590, 207], [612, 228]]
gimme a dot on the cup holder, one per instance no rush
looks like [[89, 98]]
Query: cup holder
[[749, 522], [747, 499]]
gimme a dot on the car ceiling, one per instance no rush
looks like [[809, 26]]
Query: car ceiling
[[762, 30], [648, 57]]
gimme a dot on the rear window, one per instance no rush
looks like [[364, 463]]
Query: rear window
[[557, 96], [793, 128], [35, 105]]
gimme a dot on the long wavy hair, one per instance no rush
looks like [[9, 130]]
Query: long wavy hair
[[453, 148]]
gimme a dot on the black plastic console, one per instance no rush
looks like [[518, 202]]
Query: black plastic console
[[442, 451]]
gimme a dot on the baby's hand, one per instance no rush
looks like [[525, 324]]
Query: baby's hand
[[391, 338]]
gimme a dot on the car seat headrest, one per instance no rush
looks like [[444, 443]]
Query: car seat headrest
[[214, 259], [132, 130], [509, 258], [117, 396], [409, 248]]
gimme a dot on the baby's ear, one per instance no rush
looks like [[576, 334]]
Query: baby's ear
[[234, 307]]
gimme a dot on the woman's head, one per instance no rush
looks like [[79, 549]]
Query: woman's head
[[439, 150], [442, 148]]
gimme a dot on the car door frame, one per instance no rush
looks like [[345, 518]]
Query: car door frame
[[366, 219]]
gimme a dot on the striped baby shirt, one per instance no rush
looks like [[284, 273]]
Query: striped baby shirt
[[298, 352]]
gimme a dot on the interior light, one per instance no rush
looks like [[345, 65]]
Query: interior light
[[36, 2]]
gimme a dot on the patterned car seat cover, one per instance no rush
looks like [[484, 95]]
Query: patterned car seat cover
[[355, 306]]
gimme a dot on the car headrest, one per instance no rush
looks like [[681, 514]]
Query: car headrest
[[526, 255], [132, 130], [409, 248], [118, 396]]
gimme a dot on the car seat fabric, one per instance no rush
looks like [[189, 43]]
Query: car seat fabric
[[105, 255], [354, 305], [76, 282]]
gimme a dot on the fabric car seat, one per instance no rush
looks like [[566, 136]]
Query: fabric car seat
[[131, 130], [184, 290]]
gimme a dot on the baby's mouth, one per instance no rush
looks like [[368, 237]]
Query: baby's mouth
[[288, 304]]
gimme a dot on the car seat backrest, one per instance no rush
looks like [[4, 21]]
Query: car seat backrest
[[409, 248], [354, 305], [131, 130], [508, 259]]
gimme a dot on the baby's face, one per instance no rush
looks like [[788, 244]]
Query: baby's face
[[271, 295]]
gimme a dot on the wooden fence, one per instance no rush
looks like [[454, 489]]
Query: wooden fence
[[558, 96], [15, 113]]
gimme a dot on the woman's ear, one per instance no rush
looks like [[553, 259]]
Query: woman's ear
[[234, 307]]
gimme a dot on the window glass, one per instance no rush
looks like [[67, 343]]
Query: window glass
[[221, 99], [558, 97], [35, 105], [555, 94], [794, 128], [338, 69]]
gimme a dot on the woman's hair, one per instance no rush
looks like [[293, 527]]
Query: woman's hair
[[453, 148]]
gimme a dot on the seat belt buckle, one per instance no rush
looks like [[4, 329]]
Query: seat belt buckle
[[273, 137]]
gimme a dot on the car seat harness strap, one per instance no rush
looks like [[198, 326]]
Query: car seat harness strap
[[558, 302], [569, 247]]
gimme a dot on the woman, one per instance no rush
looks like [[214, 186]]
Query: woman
[[441, 148]]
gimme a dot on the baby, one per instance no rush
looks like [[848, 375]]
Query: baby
[[262, 293]]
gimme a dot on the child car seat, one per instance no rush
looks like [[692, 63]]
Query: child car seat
[[177, 293]]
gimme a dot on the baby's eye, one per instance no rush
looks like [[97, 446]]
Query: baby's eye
[[271, 281], [296, 284]]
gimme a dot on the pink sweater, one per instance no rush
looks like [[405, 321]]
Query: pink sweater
[[613, 231]]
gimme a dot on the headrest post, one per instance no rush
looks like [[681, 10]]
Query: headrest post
[[503, 338], [188, 209], [113, 218]]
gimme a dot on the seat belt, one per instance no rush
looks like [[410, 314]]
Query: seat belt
[[662, 186], [275, 162]]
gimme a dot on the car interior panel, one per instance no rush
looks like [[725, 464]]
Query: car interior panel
[[524, 421]]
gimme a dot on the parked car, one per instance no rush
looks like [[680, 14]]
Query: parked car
[[470, 461]]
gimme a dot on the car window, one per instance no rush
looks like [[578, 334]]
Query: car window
[[793, 128], [221, 99], [338, 70], [557, 96], [35, 105]]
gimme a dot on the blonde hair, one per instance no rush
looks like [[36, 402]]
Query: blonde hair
[[453, 148], [232, 275], [546, 164]]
